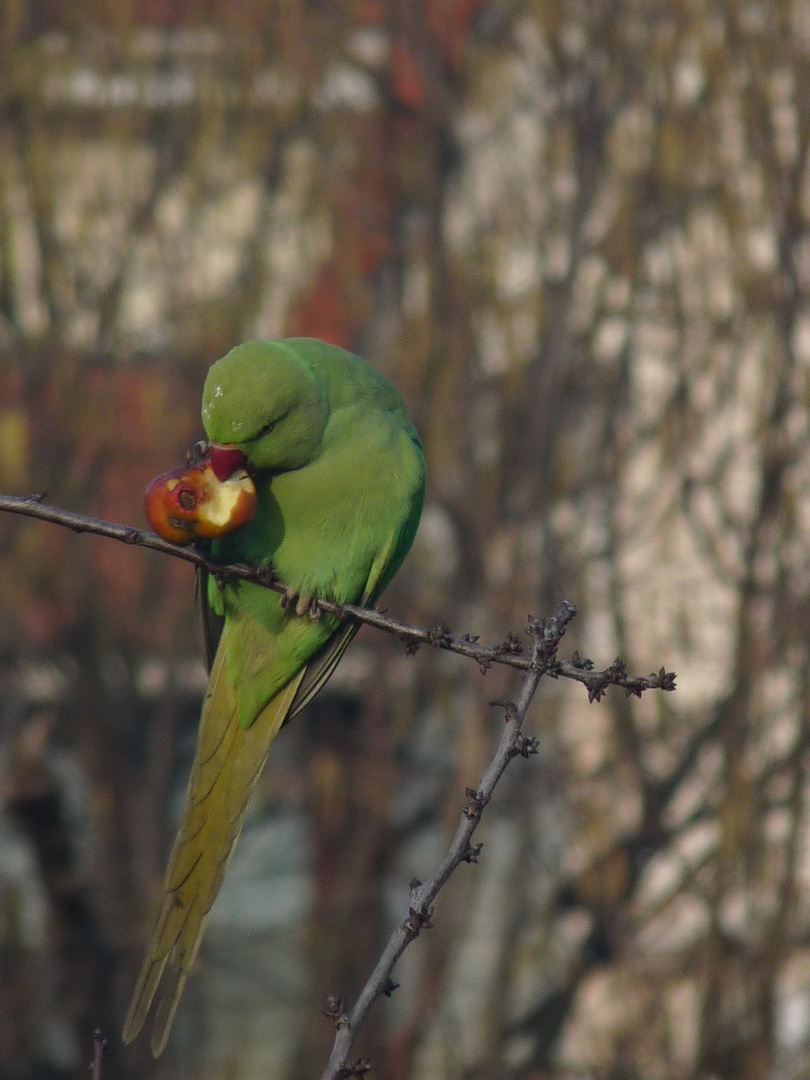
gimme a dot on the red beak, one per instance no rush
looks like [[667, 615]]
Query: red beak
[[225, 460]]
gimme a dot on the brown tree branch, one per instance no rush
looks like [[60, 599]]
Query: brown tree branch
[[509, 652]]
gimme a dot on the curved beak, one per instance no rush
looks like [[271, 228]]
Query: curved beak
[[225, 460]]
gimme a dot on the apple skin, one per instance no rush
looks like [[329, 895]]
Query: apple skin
[[190, 503]]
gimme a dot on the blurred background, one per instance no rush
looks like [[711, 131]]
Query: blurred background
[[576, 236]]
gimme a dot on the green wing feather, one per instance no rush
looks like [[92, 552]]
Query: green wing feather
[[324, 662]]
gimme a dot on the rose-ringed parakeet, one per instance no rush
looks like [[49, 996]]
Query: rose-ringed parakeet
[[339, 476]]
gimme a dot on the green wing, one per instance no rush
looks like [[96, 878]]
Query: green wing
[[324, 662]]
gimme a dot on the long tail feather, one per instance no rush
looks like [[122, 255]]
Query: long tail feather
[[227, 765]]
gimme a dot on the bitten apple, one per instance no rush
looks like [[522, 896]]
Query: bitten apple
[[191, 503]]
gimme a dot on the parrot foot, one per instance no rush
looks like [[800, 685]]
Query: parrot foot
[[304, 603]]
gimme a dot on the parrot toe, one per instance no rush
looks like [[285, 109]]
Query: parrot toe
[[303, 603]]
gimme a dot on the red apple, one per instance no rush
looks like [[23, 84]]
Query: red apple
[[190, 503]]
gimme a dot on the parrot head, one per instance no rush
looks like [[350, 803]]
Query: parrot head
[[262, 407]]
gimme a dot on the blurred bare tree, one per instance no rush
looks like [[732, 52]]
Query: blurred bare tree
[[577, 238]]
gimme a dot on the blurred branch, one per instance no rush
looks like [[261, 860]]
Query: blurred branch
[[35, 794], [99, 1046], [509, 651]]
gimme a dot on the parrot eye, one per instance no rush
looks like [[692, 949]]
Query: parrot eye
[[268, 427]]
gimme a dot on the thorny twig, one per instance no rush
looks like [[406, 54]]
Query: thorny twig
[[509, 652], [546, 637]]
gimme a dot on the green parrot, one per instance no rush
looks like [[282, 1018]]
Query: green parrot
[[340, 478]]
